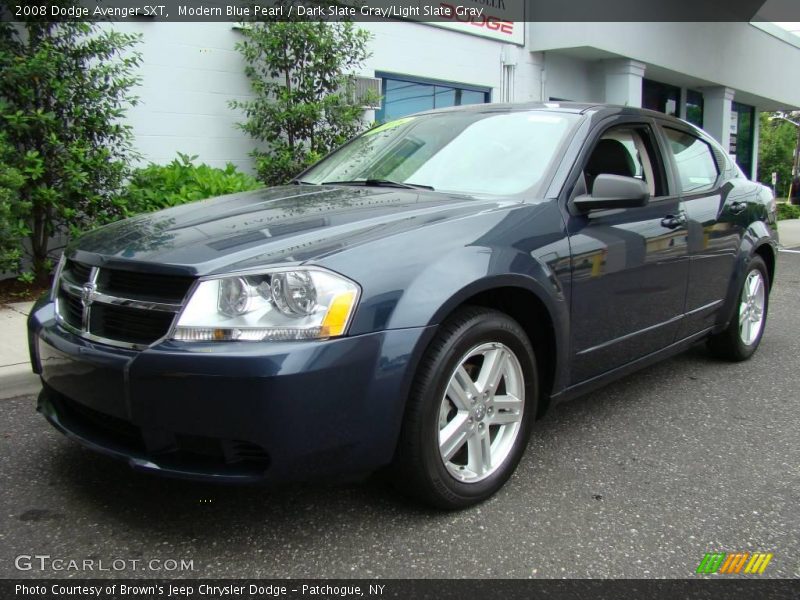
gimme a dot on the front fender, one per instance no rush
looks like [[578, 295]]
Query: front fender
[[466, 273], [419, 278]]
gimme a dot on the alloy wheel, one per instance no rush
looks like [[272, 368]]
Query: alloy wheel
[[751, 307], [481, 412]]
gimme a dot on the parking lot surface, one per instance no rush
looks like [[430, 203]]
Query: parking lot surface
[[639, 480]]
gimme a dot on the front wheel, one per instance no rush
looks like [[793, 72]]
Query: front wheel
[[743, 335], [470, 411]]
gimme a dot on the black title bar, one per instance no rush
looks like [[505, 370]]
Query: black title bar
[[420, 10], [744, 588]]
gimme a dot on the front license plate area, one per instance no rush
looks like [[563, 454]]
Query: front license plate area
[[87, 375]]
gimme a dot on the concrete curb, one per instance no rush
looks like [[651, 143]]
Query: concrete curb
[[789, 232], [18, 380], [16, 377]]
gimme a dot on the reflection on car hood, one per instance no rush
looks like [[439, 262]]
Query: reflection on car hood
[[275, 225]]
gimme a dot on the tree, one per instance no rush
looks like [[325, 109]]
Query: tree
[[776, 147], [11, 230], [302, 76], [64, 93]]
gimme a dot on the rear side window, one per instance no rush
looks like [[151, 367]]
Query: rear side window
[[697, 168]]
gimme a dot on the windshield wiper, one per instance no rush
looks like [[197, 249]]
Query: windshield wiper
[[380, 183], [301, 182]]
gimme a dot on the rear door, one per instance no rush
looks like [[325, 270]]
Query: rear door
[[715, 206], [629, 266]]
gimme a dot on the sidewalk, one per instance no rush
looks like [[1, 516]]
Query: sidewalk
[[789, 232], [16, 377]]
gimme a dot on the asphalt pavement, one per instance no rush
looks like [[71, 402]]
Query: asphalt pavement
[[639, 480]]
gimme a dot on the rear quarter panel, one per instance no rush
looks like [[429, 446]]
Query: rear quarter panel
[[760, 233]]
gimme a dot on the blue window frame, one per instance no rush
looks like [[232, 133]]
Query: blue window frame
[[741, 142], [404, 95], [661, 97]]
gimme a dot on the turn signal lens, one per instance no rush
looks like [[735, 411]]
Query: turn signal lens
[[335, 321]]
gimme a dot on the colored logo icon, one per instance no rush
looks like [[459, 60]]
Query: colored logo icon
[[734, 563]]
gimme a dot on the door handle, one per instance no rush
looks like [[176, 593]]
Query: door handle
[[673, 221], [738, 206]]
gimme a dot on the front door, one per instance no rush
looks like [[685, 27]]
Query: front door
[[629, 266]]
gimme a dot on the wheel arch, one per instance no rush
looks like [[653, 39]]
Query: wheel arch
[[757, 241], [767, 253], [531, 313], [519, 298]]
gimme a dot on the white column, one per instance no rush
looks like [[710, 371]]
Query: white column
[[509, 56], [717, 113], [623, 81], [534, 69]]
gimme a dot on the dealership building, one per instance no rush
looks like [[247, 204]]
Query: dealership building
[[716, 75]]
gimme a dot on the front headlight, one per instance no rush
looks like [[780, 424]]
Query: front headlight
[[285, 304]]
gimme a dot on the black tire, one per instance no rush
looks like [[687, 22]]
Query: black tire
[[729, 344], [419, 468]]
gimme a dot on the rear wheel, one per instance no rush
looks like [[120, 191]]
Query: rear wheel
[[470, 411], [741, 338]]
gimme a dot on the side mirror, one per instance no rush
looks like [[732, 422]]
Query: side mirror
[[614, 191]]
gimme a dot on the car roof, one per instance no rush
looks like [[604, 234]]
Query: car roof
[[558, 106]]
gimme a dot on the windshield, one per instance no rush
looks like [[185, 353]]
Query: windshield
[[463, 152]]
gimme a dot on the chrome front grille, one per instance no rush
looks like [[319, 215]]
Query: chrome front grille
[[144, 286], [118, 307]]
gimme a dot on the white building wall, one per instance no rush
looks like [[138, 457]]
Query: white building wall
[[569, 78], [529, 77], [433, 52], [190, 71], [737, 55]]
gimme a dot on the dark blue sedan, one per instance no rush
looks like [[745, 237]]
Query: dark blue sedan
[[413, 301]]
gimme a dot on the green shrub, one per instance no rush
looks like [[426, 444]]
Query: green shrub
[[64, 92], [304, 104], [788, 211], [161, 186], [13, 228]]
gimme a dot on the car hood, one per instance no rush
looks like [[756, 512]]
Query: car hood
[[288, 224]]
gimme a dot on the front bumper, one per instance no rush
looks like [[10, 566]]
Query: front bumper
[[230, 411]]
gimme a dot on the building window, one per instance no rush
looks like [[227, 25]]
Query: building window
[[742, 134], [404, 95], [661, 97], [694, 107]]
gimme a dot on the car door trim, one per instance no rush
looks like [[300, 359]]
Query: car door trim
[[629, 336]]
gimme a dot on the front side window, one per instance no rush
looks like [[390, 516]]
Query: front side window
[[626, 151], [697, 169], [481, 153]]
